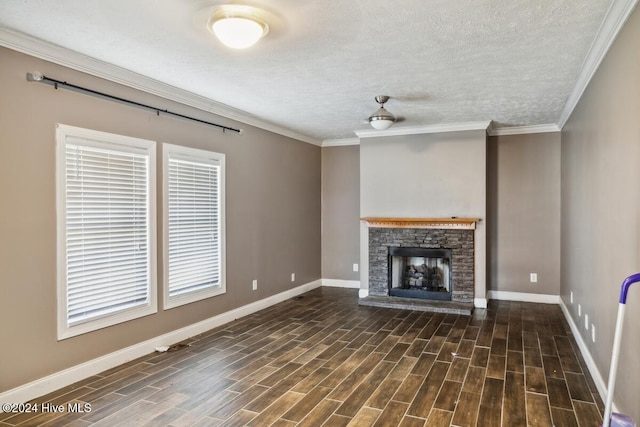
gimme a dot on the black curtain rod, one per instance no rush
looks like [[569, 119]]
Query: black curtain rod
[[37, 77]]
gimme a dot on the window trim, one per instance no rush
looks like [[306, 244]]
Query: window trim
[[195, 155], [113, 141]]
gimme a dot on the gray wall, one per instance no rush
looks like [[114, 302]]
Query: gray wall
[[273, 214], [601, 209], [422, 176], [340, 212], [523, 197]]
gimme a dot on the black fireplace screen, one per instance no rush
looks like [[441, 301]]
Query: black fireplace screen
[[420, 273]]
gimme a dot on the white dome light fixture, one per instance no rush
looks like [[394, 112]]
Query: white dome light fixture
[[381, 119], [238, 26]]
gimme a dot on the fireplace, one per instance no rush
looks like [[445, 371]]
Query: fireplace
[[420, 273], [422, 259]]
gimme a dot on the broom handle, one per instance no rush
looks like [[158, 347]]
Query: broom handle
[[617, 339]]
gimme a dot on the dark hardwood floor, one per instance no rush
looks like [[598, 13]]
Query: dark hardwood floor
[[320, 359]]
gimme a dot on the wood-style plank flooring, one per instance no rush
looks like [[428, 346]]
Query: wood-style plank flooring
[[320, 359]]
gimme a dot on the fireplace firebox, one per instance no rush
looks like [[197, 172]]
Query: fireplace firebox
[[420, 273]]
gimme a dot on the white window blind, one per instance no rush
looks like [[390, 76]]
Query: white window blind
[[107, 232], [194, 218]]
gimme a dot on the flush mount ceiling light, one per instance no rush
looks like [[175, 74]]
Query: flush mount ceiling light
[[381, 119], [238, 26]]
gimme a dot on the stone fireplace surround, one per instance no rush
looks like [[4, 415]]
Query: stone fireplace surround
[[456, 234]]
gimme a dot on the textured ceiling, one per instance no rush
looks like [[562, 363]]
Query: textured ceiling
[[318, 69]]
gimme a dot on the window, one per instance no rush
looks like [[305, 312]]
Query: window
[[194, 225], [106, 229]]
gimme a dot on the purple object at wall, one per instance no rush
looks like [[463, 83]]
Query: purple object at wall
[[621, 420]]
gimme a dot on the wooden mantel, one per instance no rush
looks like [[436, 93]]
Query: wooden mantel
[[438, 223]]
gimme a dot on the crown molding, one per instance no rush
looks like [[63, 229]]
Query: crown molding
[[340, 142], [618, 13], [59, 55], [522, 130], [449, 127], [491, 131]]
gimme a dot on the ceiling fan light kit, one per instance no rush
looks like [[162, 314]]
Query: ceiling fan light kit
[[381, 119], [238, 26]]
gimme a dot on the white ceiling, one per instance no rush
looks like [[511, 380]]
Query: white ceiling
[[317, 71]]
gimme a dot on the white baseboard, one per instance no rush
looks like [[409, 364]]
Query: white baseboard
[[363, 293], [524, 297], [76, 373], [480, 302], [586, 355], [337, 283]]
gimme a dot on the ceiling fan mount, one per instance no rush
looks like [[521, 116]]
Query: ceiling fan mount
[[381, 99]]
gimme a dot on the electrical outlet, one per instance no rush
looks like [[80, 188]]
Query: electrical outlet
[[293, 277], [571, 297], [533, 277], [255, 285], [586, 321], [579, 310], [355, 267]]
